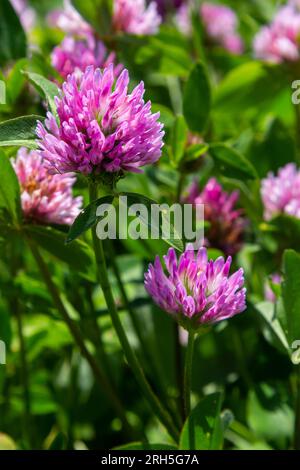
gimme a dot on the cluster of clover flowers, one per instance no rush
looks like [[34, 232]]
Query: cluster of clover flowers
[[81, 46], [102, 130], [277, 42]]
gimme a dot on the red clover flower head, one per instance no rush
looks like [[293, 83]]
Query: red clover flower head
[[195, 291], [102, 128]]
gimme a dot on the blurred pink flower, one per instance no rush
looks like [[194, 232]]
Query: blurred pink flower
[[25, 13], [226, 222], [281, 194], [183, 19], [45, 198], [74, 55], [101, 127], [269, 294], [279, 41], [135, 17], [221, 25], [194, 291], [69, 20]]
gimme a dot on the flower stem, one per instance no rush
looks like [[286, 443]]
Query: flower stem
[[297, 411], [132, 360], [188, 373], [147, 356], [177, 345], [24, 373], [124, 296], [99, 375], [178, 365]]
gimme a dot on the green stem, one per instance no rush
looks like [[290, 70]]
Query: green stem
[[24, 373], [95, 335], [241, 358], [297, 411], [125, 300], [188, 373], [177, 345], [132, 360], [178, 370], [101, 378]]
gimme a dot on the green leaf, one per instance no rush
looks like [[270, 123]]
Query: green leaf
[[231, 163], [178, 138], [275, 331], [46, 88], [19, 131], [203, 428], [287, 228], [15, 80], [96, 12], [274, 149], [78, 256], [174, 238], [268, 414], [291, 294], [12, 36], [144, 446], [197, 99], [42, 400], [249, 86], [10, 203], [87, 218]]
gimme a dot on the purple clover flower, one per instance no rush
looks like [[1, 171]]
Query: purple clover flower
[[45, 198], [226, 222], [281, 194], [279, 41], [194, 291], [102, 128], [183, 19], [221, 25], [135, 17], [129, 16], [69, 20], [74, 55]]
